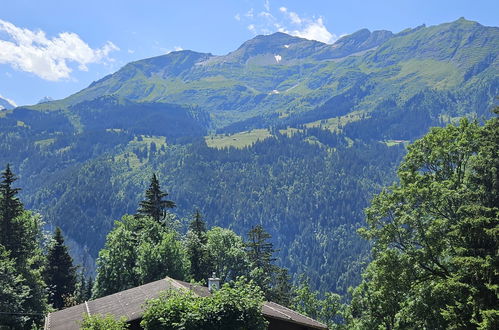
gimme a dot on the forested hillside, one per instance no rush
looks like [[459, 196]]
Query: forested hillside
[[298, 142]]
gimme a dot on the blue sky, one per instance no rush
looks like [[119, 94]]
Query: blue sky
[[55, 48]]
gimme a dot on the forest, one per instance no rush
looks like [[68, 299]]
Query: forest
[[433, 263]]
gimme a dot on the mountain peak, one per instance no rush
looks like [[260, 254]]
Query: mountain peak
[[276, 48]]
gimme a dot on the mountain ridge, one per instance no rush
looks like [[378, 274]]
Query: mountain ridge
[[298, 146]]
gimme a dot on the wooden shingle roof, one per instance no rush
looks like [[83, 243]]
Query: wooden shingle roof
[[130, 303]]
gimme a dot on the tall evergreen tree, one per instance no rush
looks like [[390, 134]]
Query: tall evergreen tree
[[60, 273], [198, 226], [260, 255], [197, 249], [10, 208], [20, 238], [154, 205], [260, 250]]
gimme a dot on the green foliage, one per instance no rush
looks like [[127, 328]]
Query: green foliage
[[82, 165], [100, 322], [197, 249], [137, 251], [154, 206], [10, 208], [13, 290], [20, 247], [226, 253], [328, 309], [273, 280], [237, 306], [435, 236], [60, 273]]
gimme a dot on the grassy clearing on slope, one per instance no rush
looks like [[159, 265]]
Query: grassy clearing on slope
[[432, 73], [45, 142], [335, 124], [239, 140]]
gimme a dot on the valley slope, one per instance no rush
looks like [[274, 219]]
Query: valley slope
[[290, 133]]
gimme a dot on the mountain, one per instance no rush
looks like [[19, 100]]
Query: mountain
[[290, 133], [6, 104]]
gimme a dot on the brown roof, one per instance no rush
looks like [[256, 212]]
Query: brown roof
[[130, 303]]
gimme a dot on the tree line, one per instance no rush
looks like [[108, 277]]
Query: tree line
[[433, 262]]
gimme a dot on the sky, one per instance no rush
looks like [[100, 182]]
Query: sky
[[53, 48]]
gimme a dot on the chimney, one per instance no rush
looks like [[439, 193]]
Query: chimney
[[213, 283]]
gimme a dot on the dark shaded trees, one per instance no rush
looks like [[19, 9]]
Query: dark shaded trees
[[197, 249], [22, 259], [273, 280], [60, 273], [10, 208]]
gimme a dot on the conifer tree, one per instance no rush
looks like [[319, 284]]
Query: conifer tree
[[198, 226], [154, 205], [60, 273], [259, 250], [10, 208], [197, 249], [20, 237], [260, 255]]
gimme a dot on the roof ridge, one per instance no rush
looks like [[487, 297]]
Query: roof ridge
[[88, 309], [293, 311], [278, 311]]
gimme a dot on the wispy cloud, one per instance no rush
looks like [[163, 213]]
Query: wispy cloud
[[284, 20], [266, 5], [48, 58]]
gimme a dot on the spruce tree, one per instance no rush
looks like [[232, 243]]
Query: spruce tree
[[259, 250], [154, 205], [10, 208], [260, 255], [197, 249], [198, 227], [60, 273]]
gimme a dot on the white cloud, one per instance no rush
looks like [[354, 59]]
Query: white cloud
[[294, 17], [289, 22], [131, 51], [177, 48], [32, 51], [315, 30], [266, 14], [266, 5], [249, 14], [237, 17]]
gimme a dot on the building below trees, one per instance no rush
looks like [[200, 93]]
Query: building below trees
[[129, 305]]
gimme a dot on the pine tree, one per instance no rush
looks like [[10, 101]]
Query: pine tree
[[10, 208], [154, 205], [260, 254], [60, 273], [198, 227], [259, 250], [197, 249]]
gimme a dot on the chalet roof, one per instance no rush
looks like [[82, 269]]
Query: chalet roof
[[129, 303]]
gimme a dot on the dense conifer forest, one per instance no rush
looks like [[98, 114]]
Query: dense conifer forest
[[355, 183], [433, 261]]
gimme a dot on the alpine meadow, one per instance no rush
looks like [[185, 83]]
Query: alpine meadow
[[353, 183]]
